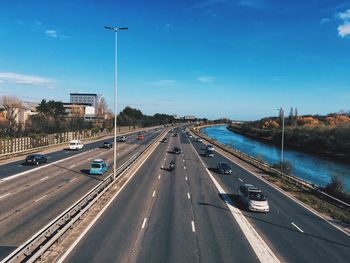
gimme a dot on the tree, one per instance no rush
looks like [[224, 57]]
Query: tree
[[11, 107]]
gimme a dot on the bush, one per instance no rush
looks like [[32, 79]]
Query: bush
[[286, 167], [336, 188]]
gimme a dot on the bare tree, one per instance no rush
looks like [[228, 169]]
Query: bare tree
[[10, 106], [102, 107]]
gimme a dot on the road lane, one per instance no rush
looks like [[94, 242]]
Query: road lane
[[153, 220], [25, 210], [319, 241]]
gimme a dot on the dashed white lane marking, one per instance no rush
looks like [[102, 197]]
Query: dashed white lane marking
[[185, 167], [188, 196], [73, 165], [144, 223], [42, 179], [297, 227], [193, 226], [186, 178], [154, 193], [37, 200], [1, 197], [158, 176], [240, 180], [73, 179], [20, 165], [183, 160], [89, 158], [49, 157], [67, 152], [164, 159], [162, 166]]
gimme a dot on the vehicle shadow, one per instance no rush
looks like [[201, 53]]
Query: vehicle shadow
[[82, 171], [214, 170], [87, 173]]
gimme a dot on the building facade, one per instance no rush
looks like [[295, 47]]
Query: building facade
[[85, 98]]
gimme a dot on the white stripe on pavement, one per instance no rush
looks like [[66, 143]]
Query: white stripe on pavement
[[240, 180], [297, 227], [37, 200], [144, 223], [193, 227], [1, 197], [154, 193], [42, 179]]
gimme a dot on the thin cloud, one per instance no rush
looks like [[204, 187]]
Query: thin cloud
[[23, 79], [344, 29], [51, 33], [206, 79], [325, 21], [163, 82]]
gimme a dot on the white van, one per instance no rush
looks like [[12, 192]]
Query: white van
[[75, 145]]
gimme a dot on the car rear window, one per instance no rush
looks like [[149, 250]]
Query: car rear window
[[95, 165]]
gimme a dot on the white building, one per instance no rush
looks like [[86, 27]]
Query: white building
[[86, 98]]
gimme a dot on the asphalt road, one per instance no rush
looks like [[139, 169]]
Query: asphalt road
[[294, 233], [166, 216], [30, 201]]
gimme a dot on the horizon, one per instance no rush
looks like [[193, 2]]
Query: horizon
[[241, 60]]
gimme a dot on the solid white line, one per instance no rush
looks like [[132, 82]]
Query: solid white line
[[1, 197], [297, 227], [261, 249], [188, 195], [73, 179], [42, 179], [193, 227], [240, 180], [154, 193], [37, 200], [144, 223]]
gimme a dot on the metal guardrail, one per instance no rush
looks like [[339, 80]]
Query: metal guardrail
[[267, 168], [33, 248]]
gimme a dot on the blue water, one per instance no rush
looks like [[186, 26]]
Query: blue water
[[305, 166]]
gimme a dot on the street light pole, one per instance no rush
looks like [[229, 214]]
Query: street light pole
[[282, 144], [115, 29]]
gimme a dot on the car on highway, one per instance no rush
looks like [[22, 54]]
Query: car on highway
[[209, 153], [75, 145], [98, 166], [223, 168], [210, 147], [176, 150], [175, 134], [121, 139], [140, 137], [199, 140], [107, 145], [165, 139], [253, 198], [35, 159]]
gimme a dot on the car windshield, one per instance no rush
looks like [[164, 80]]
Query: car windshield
[[73, 143], [257, 196], [95, 165]]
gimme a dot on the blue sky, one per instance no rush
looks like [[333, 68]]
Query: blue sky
[[240, 59]]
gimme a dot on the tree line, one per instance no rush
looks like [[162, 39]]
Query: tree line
[[51, 117]]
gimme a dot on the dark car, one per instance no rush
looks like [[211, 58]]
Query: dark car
[[224, 168], [35, 159], [165, 139], [176, 150], [209, 153], [107, 145], [175, 135]]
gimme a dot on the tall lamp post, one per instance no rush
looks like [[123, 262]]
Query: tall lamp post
[[115, 29], [282, 143]]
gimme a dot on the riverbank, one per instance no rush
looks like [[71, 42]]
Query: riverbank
[[318, 151]]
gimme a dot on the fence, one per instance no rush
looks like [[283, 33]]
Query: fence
[[23, 144]]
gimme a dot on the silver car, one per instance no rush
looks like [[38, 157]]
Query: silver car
[[253, 198]]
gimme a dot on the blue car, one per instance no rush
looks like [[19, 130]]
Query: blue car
[[98, 166]]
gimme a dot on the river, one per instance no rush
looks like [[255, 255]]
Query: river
[[311, 168]]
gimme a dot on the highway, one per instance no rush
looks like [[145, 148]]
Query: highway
[[41, 193], [179, 216]]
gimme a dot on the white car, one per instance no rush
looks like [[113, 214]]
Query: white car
[[253, 198], [210, 147], [75, 145]]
